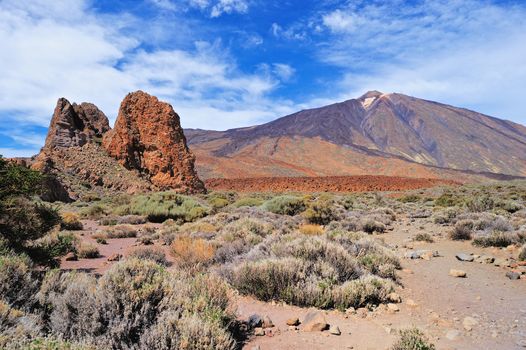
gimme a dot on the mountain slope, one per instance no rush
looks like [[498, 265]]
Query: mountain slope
[[389, 134]]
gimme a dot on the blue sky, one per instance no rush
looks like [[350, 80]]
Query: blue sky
[[232, 63]]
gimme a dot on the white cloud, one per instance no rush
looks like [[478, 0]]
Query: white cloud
[[283, 71], [467, 53], [229, 6], [68, 51]]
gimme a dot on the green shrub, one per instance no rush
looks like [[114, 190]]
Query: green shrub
[[477, 204], [248, 202], [446, 200], [412, 339], [320, 212], [218, 203], [410, 198], [285, 205], [118, 231], [161, 206]]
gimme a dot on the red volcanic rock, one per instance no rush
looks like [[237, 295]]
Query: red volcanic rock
[[75, 125], [148, 137]]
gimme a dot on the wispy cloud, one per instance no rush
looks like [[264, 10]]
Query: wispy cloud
[[461, 52]]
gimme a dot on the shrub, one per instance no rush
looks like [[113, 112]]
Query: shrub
[[71, 221], [88, 251], [95, 211], [481, 203], [311, 229], [496, 239], [423, 237], [147, 253], [109, 221], [131, 220], [372, 226], [522, 253], [463, 230], [119, 231], [320, 212], [367, 290], [285, 205], [510, 206], [191, 253], [347, 202], [218, 202], [446, 200], [410, 198], [161, 206], [100, 240], [18, 283], [412, 339], [248, 202]]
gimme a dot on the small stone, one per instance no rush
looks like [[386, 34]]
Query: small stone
[[408, 271], [464, 257], [485, 259], [457, 273], [394, 298], [258, 331], [267, 322], [393, 308], [427, 255], [115, 257], [335, 330], [293, 328], [512, 275], [388, 330], [350, 311], [452, 334], [71, 257], [293, 321], [469, 323], [314, 321]]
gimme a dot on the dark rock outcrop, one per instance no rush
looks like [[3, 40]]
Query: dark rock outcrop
[[148, 137]]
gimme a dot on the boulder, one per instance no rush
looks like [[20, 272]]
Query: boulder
[[464, 257], [335, 330], [294, 321], [513, 275], [148, 137], [314, 321]]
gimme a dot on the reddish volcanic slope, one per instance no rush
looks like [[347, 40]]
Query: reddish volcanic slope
[[324, 184], [376, 134]]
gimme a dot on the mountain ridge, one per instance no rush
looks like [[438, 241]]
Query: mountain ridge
[[391, 125]]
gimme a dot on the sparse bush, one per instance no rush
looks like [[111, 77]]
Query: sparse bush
[[496, 239], [18, 282], [88, 251], [131, 220], [320, 212], [161, 206], [410, 198], [479, 204], [71, 221], [109, 221], [412, 339], [522, 253], [100, 240], [118, 231], [95, 211], [311, 229], [463, 230], [446, 200], [424, 237], [218, 202], [347, 202], [367, 290], [446, 216], [285, 205], [191, 253], [248, 202], [510, 206], [371, 226], [147, 253]]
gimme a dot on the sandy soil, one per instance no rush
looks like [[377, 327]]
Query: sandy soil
[[431, 299]]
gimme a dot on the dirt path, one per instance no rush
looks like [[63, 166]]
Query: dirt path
[[432, 301]]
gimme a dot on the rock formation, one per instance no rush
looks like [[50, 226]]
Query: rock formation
[[148, 137], [75, 125]]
